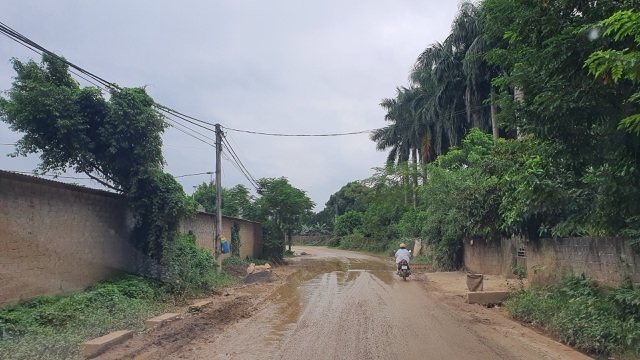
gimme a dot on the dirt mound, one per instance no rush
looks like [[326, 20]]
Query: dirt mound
[[264, 276], [203, 327], [236, 270]]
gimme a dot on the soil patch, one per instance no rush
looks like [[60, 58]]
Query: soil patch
[[263, 276], [196, 329], [236, 270]]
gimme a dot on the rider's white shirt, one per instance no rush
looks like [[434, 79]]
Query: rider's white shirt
[[402, 254]]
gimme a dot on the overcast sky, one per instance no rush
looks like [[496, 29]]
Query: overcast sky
[[270, 66]]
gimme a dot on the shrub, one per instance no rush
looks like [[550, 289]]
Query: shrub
[[581, 314], [189, 269]]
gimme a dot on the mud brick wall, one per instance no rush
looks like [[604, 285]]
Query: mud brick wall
[[57, 238], [203, 226], [606, 260]]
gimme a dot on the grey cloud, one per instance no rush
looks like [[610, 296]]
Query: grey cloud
[[276, 66]]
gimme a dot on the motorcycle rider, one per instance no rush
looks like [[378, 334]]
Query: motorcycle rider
[[402, 254]]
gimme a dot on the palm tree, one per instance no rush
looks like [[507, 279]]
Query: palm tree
[[462, 77]]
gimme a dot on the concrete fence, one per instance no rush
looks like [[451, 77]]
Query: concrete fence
[[57, 237], [607, 260]]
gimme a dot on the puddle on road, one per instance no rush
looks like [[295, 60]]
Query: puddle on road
[[289, 297]]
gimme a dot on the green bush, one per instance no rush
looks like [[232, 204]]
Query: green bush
[[234, 260], [361, 243], [581, 314], [189, 269], [51, 327]]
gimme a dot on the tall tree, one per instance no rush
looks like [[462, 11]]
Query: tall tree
[[117, 142], [542, 50], [280, 208], [236, 201]]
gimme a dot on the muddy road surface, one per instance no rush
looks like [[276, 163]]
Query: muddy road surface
[[341, 305]]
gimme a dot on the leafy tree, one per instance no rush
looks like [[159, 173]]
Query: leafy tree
[[236, 201], [348, 223], [542, 49], [205, 195], [116, 142], [624, 64], [280, 208], [352, 196]]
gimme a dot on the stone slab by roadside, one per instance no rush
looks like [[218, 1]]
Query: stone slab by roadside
[[486, 297], [96, 346], [153, 322], [199, 305]]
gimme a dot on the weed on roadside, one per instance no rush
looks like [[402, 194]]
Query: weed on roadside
[[584, 315], [52, 327]]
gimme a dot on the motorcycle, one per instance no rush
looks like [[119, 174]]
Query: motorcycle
[[404, 270]]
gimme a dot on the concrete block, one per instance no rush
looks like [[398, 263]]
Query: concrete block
[[199, 305], [486, 297], [96, 346], [153, 322]]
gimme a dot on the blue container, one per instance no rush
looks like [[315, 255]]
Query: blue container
[[224, 245]]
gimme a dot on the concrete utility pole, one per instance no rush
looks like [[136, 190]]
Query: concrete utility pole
[[218, 230]]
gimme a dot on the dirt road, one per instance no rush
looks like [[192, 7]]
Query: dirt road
[[343, 305]]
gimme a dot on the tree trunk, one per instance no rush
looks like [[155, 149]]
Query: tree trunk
[[494, 115], [414, 174], [518, 95]]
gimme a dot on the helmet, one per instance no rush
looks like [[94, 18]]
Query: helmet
[[402, 246]]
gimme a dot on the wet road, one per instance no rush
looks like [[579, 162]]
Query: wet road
[[343, 305]]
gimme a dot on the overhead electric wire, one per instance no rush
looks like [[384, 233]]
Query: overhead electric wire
[[103, 84], [181, 128], [238, 165], [30, 44], [235, 144], [204, 173], [237, 159], [300, 135], [232, 162]]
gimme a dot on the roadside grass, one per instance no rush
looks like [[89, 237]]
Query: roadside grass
[[53, 327], [584, 315]]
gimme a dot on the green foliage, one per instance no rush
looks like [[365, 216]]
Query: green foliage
[[361, 243], [235, 240], [189, 269], [352, 196], [53, 326], [613, 64], [280, 208], [113, 141], [234, 260], [348, 223], [116, 142], [583, 315], [236, 201]]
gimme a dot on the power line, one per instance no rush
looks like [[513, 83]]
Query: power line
[[104, 84], [235, 144], [185, 130], [241, 168], [300, 135], [98, 82], [203, 173], [237, 158]]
